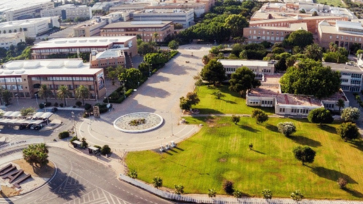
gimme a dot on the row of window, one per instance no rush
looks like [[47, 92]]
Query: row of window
[[62, 78], [12, 87], [266, 38], [346, 38], [355, 82], [270, 32], [15, 30], [17, 79], [331, 106], [267, 102]]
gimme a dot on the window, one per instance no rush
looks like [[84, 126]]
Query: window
[[329, 106], [355, 82], [331, 37], [356, 76], [282, 110], [344, 80]]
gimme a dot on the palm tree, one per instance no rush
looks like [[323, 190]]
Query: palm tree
[[340, 104], [205, 59], [82, 92], [157, 181], [212, 193], [44, 92], [155, 36], [63, 93], [112, 75]]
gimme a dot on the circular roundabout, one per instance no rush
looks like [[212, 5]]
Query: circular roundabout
[[138, 122]]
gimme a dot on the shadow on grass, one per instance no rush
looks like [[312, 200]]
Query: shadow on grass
[[257, 151], [331, 174], [248, 128], [179, 148], [357, 144], [353, 192], [208, 111], [272, 128], [328, 128], [305, 141], [228, 101]]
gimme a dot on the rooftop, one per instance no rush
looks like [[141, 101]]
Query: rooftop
[[47, 67], [351, 67], [24, 22], [335, 97], [265, 91], [271, 79], [292, 27], [246, 63], [111, 53], [294, 18], [163, 11], [18, 4], [138, 24], [301, 100], [83, 41]]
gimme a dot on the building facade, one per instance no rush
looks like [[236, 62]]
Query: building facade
[[199, 8], [89, 28], [26, 12], [30, 27], [43, 49], [181, 16], [68, 11], [108, 58], [23, 78], [259, 67], [145, 29], [6, 40], [351, 75]]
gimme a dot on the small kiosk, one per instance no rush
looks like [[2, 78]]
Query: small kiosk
[[93, 150], [76, 143]]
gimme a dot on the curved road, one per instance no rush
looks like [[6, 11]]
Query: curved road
[[81, 180]]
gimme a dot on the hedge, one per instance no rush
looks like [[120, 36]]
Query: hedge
[[63, 135]]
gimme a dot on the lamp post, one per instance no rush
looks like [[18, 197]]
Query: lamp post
[[36, 98], [73, 117], [17, 98]]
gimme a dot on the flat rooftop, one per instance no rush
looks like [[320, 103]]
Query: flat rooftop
[[344, 67], [153, 11], [301, 100], [335, 97], [265, 91], [19, 4], [83, 41], [271, 79], [139, 24], [111, 53], [47, 67], [292, 27], [24, 22], [247, 63], [295, 18]]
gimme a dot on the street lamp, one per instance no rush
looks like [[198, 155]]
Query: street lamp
[[36, 98], [74, 121], [17, 98]]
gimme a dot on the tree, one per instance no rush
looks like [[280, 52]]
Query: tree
[[333, 47], [235, 119], [236, 23], [237, 194], [297, 195], [281, 65], [155, 36], [156, 58], [259, 115], [300, 38], [179, 189], [304, 154], [36, 154], [340, 104], [359, 52], [350, 114], [105, 150], [63, 93], [309, 77], [157, 181], [205, 59], [335, 57], [145, 47], [112, 75], [278, 50], [84, 143], [286, 128], [193, 98], [348, 131], [174, 45], [184, 104], [212, 193], [132, 77], [242, 80], [315, 13], [228, 187], [314, 52], [82, 92], [132, 173], [44, 92], [267, 194], [342, 182], [213, 72], [27, 111], [6, 96], [29, 40], [236, 49], [320, 115]]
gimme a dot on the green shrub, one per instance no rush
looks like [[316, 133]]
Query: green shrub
[[61, 104], [41, 105], [55, 104], [85, 115], [105, 150], [87, 106], [63, 135], [79, 103], [173, 53], [129, 92], [99, 147], [47, 104], [73, 139]]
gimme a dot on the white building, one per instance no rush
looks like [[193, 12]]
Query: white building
[[6, 40], [89, 28], [351, 75], [116, 16], [30, 27], [68, 11], [104, 6], [181, 16], [29, 11], [259, 67]]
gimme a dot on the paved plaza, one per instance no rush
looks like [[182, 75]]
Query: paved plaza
[[159, 94]]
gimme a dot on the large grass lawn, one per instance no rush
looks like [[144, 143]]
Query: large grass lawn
[[220, 152], [229, 103], [331, 2]]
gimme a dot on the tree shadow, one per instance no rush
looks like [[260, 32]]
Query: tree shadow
[[248, 128], [357, 144], [65, 186], [272, 128], [5, 198], [328, 128], [305, 141], [208, 111], [157, 79], [257, 151], [228, 101], [331, 174], [353, 192]]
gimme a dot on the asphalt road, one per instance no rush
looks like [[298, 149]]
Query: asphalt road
[[81, 180]]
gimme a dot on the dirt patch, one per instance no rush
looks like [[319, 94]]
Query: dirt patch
[[224, 125], [277, 175], [46, 171], [211, 122], [222, 160], [8, 192]]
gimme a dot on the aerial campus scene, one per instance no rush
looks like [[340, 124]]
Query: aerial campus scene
[[174, 101]]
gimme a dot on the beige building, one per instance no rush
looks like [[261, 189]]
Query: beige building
[[43, 49], [270, 33], [89, 28], [181, 16], [199, 8], [208, 3], [343, 33], [259, 67], [145, 29], [108, 58], [68, 11], [26, 12], [7, 40], [23, 78]]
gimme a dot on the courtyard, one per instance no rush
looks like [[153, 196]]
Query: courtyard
[[220, 152]]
